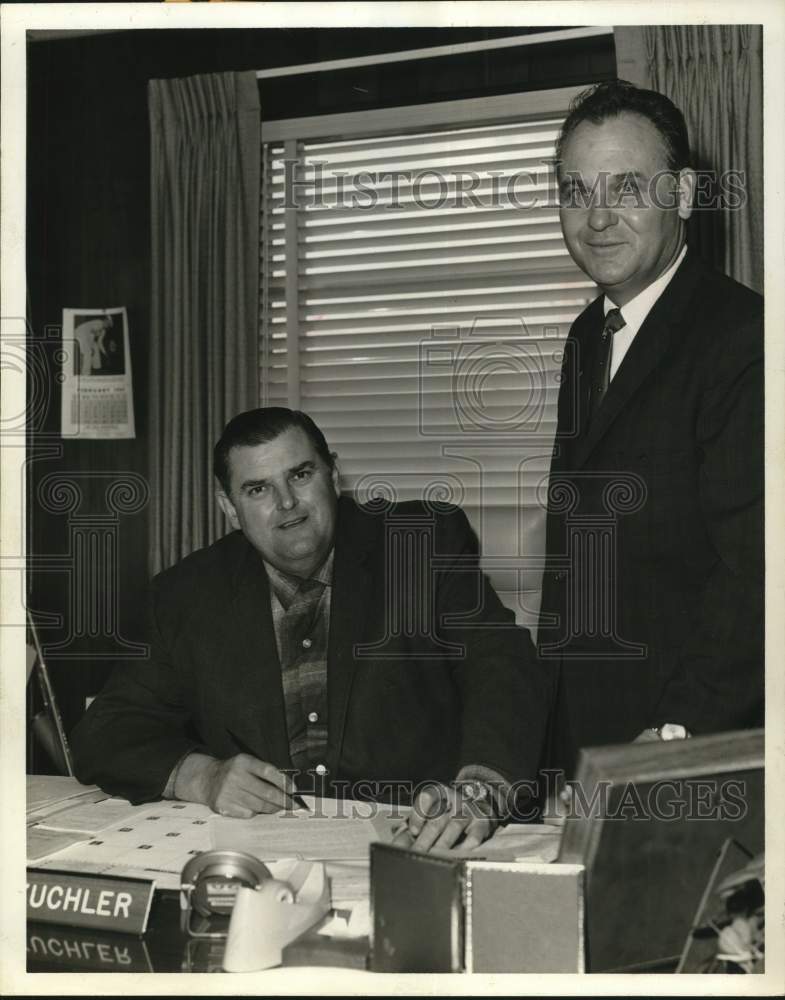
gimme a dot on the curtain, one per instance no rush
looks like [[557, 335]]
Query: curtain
[[714, 74], [205, 167]]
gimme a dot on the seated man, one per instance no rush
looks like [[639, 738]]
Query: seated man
[[344, 650]]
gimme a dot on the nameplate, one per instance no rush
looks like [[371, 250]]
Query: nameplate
[[79, 900]]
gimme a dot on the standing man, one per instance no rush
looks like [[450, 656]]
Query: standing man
[[652, 612], [352, 651]]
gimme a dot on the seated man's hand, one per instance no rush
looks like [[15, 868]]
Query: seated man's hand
[[241, 786], [445, 816]]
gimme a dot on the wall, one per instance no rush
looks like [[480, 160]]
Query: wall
[[88, 245]]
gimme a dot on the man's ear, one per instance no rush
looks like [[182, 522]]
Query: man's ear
[[335, 474], [687, 184], [228, 508]]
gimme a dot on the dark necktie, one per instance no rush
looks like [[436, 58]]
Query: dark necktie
[[601, 370], [300, 619]]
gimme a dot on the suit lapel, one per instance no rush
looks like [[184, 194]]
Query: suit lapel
[[348, 616], [254, 670], [573, 393], [653, 342]]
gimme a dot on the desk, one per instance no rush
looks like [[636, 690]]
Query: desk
[[165, 948]]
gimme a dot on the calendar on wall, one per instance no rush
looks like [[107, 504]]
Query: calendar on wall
[[96, 379]]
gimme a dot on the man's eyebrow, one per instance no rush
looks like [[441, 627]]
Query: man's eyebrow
[[624, 175], [249, 483], [577, 178], [307, 464]]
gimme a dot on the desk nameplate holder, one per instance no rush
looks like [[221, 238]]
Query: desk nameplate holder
[[103, 902]]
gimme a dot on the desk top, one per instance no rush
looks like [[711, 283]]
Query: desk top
[[65, 823], [163, 948]]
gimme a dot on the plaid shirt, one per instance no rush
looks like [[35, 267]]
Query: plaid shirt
[[301, 621]]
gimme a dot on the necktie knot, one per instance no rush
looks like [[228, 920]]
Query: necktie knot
[[614, 321]]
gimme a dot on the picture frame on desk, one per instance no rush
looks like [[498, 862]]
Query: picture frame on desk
[[647, 821], [436, 913]]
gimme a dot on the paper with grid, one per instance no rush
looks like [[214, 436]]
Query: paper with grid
[[151, 841]]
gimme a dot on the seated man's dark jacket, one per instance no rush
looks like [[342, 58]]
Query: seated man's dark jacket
[[464, 688]]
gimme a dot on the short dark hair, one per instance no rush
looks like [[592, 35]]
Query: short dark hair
[[258, 427], [616, 97]]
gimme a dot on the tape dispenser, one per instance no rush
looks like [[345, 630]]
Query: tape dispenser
[[208, 889]]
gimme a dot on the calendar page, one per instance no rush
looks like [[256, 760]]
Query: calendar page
[[97, 398]]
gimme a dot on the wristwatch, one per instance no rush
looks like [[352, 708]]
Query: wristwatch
[[481, 795], [474, 791]]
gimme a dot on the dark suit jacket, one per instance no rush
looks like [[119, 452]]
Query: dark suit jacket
[[460, 686], [668, 480]]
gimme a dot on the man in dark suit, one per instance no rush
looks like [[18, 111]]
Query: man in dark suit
[[652, 610], [359, 649]]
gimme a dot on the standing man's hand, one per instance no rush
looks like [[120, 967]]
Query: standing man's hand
[[558, 807], [446, 816], [666, 732], [240, 787], [647, 736]]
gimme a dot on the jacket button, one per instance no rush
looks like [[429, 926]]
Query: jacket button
[[558, 576]]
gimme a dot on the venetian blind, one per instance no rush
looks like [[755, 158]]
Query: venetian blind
[[416, 297]]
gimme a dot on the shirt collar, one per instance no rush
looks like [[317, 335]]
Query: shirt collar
[[636, 310], [286, 585]]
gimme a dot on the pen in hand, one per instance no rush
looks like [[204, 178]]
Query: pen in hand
[[298, 800]]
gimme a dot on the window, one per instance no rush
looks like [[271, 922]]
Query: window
[[416, 294]]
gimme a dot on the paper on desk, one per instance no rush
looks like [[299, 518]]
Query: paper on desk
[[323, 808], [47, 789], [354, 923], [516, 842], [152, 841], [529, 841], [92, 817], [350, 881], [42, 842], [309, 838]]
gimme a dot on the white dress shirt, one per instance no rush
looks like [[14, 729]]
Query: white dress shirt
[[636, 311]]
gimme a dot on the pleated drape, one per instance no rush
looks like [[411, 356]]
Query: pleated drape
[[714, 74], [205, 168]]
